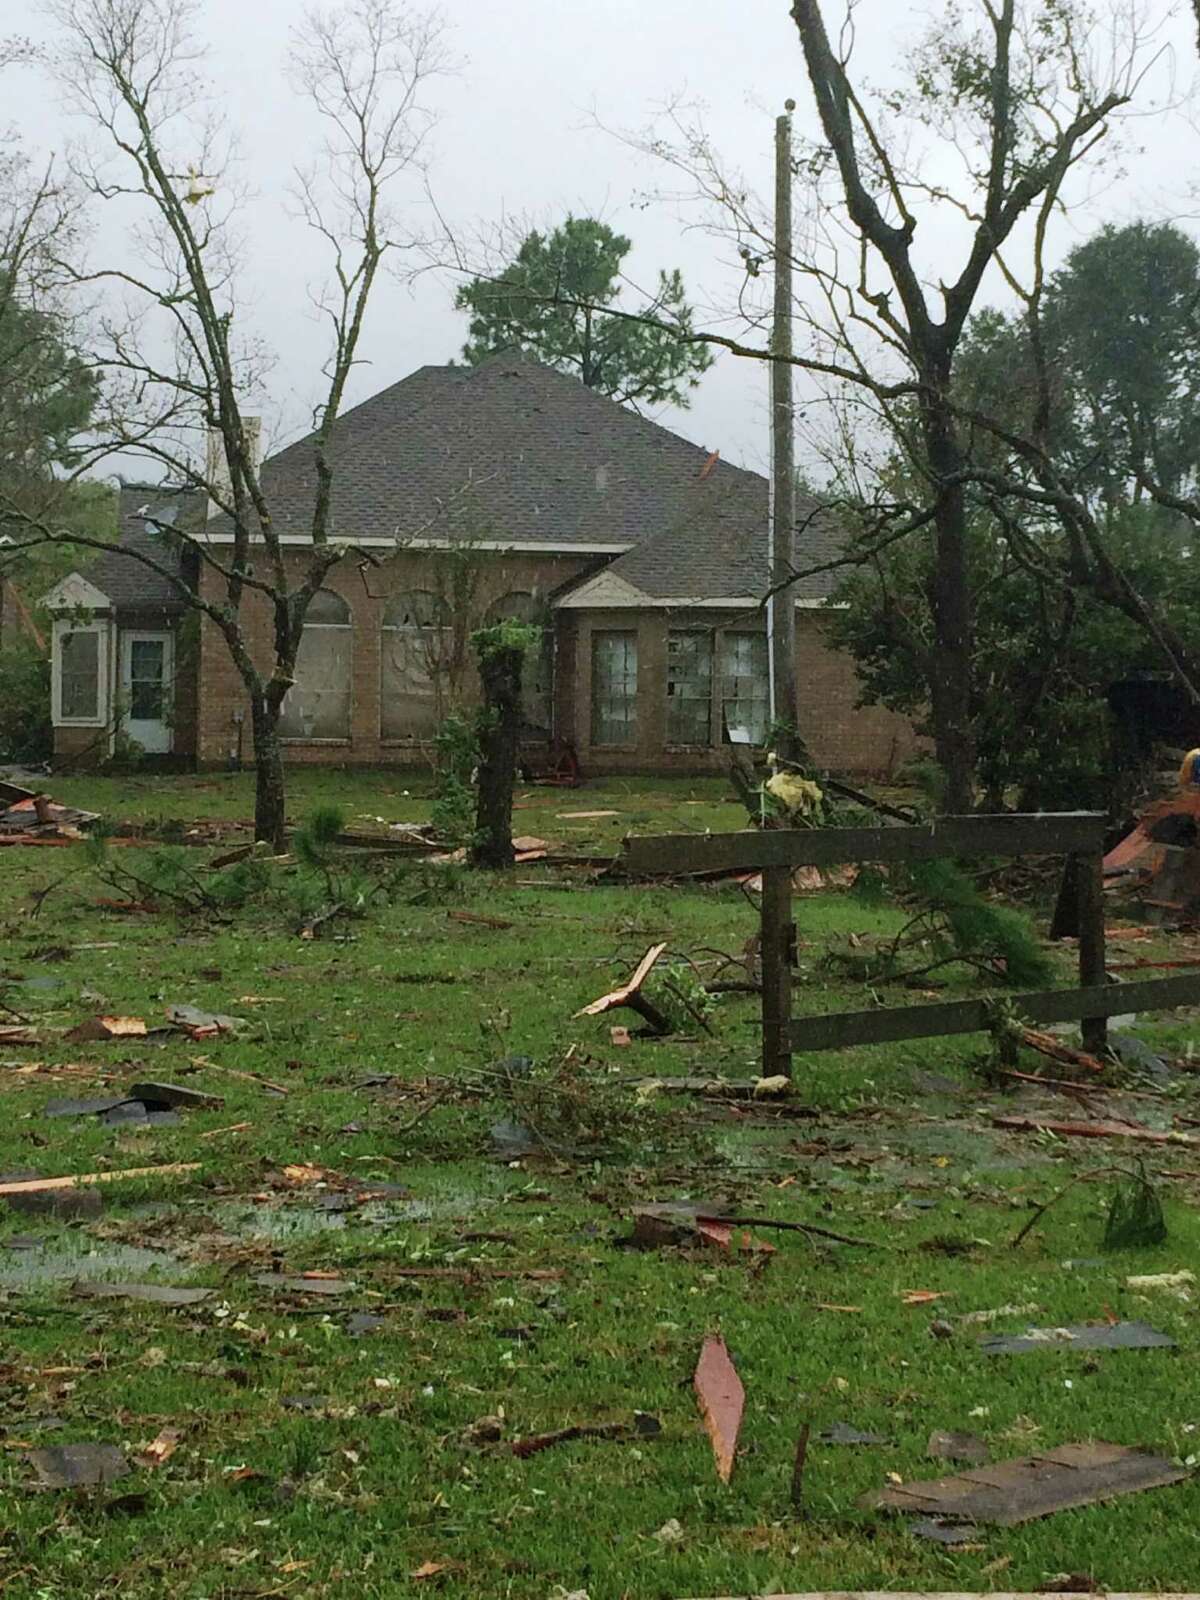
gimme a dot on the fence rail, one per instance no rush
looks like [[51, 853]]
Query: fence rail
[[777, 852]]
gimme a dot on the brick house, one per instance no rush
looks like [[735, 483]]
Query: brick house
[[466, 495]]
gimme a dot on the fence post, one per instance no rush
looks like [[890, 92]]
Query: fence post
[[775, 951], [1089, 878]]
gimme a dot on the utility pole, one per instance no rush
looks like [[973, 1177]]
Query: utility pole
[[784, 707]]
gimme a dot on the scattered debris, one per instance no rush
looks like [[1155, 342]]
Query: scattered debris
[[1095, 1130], [199, 1024], [643, 1426], [304, 1283], [158, 1294], [1168, 1282], [845, 1433], [1017, 1491], [56, 1202], [582, 816], [477, 919], [949, 1445], [1045, 1044], [160, 1449], [105, 1028], [680, 1222], [1080, 1336], [620, 1036], [722, 1401], [159, 1096], [73, 1466], [983, 1319], [630, 994], [77, 1180], [30, 818]]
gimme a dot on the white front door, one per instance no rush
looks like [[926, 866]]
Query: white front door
[[146, 689]]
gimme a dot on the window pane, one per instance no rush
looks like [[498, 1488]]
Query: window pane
[[318, 703], [327, 609], [412, 647], [745, 704], [79, 662], [147, 659], [689, 687], [614, 688]]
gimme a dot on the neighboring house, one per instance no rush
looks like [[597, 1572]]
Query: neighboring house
[[466, 495]]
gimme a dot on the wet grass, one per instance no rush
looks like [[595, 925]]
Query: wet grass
[[373, 1474]]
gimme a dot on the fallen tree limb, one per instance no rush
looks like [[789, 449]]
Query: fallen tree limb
[[1095, 1130], [1047, 1045]]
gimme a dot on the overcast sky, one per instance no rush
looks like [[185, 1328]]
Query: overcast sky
[[517, 137]]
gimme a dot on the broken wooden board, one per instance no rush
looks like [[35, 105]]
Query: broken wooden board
[[1095, 1130], [722, 1401], [1017, 1491], [78, 1180]]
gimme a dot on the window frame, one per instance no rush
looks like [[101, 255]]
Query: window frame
[[412, 631], [670, 742], [64, 628], [629, 635], [346, 627], [721, 677]]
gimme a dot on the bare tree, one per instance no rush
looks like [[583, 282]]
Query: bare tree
[[179, 363], [1001, 101]]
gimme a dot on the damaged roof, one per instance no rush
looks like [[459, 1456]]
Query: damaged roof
[[144, 514], [516, 453]]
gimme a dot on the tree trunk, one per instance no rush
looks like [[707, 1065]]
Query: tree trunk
[[269, 800], [950, 671], [500, 724]]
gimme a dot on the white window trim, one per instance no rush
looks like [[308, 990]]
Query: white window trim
[[102, 628]]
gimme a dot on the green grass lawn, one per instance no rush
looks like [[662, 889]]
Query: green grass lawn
[[317, 1457]]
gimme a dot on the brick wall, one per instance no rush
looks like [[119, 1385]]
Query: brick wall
[[842, 736], [222, 698]]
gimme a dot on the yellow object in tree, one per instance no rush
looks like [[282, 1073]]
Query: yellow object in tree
[[1189, 772], [800, 797]]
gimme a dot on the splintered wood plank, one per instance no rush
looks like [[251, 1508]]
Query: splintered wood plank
[[82, 1179], [722, 1401], [1032, 1486]]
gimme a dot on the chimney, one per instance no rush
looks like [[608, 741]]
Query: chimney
[[216, 467]]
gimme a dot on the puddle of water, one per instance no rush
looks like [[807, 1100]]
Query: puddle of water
[[67, 1257], [298, 1222]]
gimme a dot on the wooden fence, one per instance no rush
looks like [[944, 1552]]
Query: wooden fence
[[777, 852]]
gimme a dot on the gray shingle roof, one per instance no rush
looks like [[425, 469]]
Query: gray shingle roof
[[515, 451], [128, 582]]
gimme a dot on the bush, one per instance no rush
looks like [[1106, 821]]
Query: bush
[[26, 732]]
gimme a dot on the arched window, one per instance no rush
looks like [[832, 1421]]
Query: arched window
[[317, 706], [410, 655], [537, 671]]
